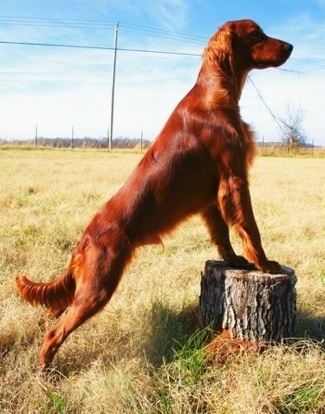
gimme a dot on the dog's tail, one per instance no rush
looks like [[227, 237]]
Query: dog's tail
[[55, 295]]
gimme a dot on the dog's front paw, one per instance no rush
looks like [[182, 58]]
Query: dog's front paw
[[240, 262], [271, 266]]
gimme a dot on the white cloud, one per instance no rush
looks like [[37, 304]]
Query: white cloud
[[172, 13]]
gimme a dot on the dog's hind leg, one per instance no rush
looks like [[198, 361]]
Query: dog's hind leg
[[98, 276]]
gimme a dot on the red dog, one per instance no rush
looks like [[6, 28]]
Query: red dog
[[198, 164]]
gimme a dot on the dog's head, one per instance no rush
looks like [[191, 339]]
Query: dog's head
[[241, 45]]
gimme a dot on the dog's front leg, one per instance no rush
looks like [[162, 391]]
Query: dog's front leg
[[219, 233], [236, 208]]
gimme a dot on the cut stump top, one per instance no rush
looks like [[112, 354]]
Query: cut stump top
[[220, 267]]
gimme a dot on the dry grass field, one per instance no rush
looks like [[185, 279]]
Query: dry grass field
[[144, 353]]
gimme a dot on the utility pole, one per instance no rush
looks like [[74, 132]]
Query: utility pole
[[72, 137], [36, 136], [110, 134]]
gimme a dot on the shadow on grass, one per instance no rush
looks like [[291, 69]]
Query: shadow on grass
[[166, 331], [309, 326], [170, 330]]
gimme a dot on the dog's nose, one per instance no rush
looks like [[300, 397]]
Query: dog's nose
[[288, 47]]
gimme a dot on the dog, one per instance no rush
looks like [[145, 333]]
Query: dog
[[198, 164]]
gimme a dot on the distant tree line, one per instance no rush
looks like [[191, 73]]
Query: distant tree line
[[86, 142]]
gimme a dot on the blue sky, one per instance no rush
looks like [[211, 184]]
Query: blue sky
[[59, 88]]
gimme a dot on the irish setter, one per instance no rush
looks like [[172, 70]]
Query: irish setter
[[198, 164]]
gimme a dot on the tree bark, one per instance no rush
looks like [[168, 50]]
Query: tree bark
[[251, 305]]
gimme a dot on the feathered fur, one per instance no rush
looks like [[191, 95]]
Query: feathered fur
[[55, 295]]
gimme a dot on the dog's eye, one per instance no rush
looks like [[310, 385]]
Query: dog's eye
[[257, 35]]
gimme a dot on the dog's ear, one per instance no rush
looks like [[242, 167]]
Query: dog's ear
[[220, 50]]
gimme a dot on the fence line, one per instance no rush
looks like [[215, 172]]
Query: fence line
[[139, 144], [285, 150], [87, 142]]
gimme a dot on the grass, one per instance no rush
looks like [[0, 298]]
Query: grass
[[145, 352]]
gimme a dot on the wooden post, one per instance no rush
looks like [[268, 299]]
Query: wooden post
[[249, 304]]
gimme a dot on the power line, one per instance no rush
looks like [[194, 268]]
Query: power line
[[100, 25], [166, 34], [127, 28], [309, 60], [54, 45], [55, 22], [170, 36], [98, 48], [142, 30], [265, 104], [313, 61]]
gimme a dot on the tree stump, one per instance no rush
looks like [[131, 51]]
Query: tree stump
[[249, 304]]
